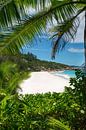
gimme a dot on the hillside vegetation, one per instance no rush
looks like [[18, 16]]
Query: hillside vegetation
[[36, 64], [32, 63]]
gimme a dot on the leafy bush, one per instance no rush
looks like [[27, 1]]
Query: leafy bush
[[56, 111], [28, 112], [78, 93], [10, 77]]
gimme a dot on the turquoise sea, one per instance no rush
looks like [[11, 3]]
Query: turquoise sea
[[70, 73], [65, 73]]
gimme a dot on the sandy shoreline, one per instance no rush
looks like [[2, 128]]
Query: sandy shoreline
[[43, 82]]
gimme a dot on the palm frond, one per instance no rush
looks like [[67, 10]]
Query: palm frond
[[13, 11], [22, 35], [32, 26], [65, 32], [10, 13], [56, 124], [37, 4], [62, 11]]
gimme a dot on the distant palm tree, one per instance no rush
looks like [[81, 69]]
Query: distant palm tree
[[17, 27]]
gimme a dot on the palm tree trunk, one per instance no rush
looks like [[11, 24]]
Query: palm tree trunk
[[85, 43]]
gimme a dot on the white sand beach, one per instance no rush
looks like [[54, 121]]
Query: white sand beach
[[43, 82]]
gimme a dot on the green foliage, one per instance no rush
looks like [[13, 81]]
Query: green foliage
[[20, 62], [35, 64], [28, 26], [78, 92], [10, 77], [79, 87], [56, 111], [29, 62], [28, 112], [15, 10], [39, 112], [57, 124]]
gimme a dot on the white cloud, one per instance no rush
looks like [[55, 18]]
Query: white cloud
[[76, 50], [38, 49], [43, 37]]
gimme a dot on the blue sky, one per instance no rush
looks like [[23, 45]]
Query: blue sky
[[73, 54]]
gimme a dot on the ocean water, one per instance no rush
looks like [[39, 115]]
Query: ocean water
[[70, 73], [65, 74]]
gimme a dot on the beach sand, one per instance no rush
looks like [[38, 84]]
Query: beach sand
[[43, 82]]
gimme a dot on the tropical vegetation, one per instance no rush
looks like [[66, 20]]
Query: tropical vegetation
[[15, 18], [30, 62], [10, 77], [19, 27], [50, 111], [35, 64]]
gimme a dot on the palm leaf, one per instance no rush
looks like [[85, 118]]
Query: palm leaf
[[65, 32], [20, 5], [56, 124], [10, 13], [32, 26], [27, 30], [25, 34], [13, 11]]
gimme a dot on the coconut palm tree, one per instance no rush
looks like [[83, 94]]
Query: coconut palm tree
[[18, 27]]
